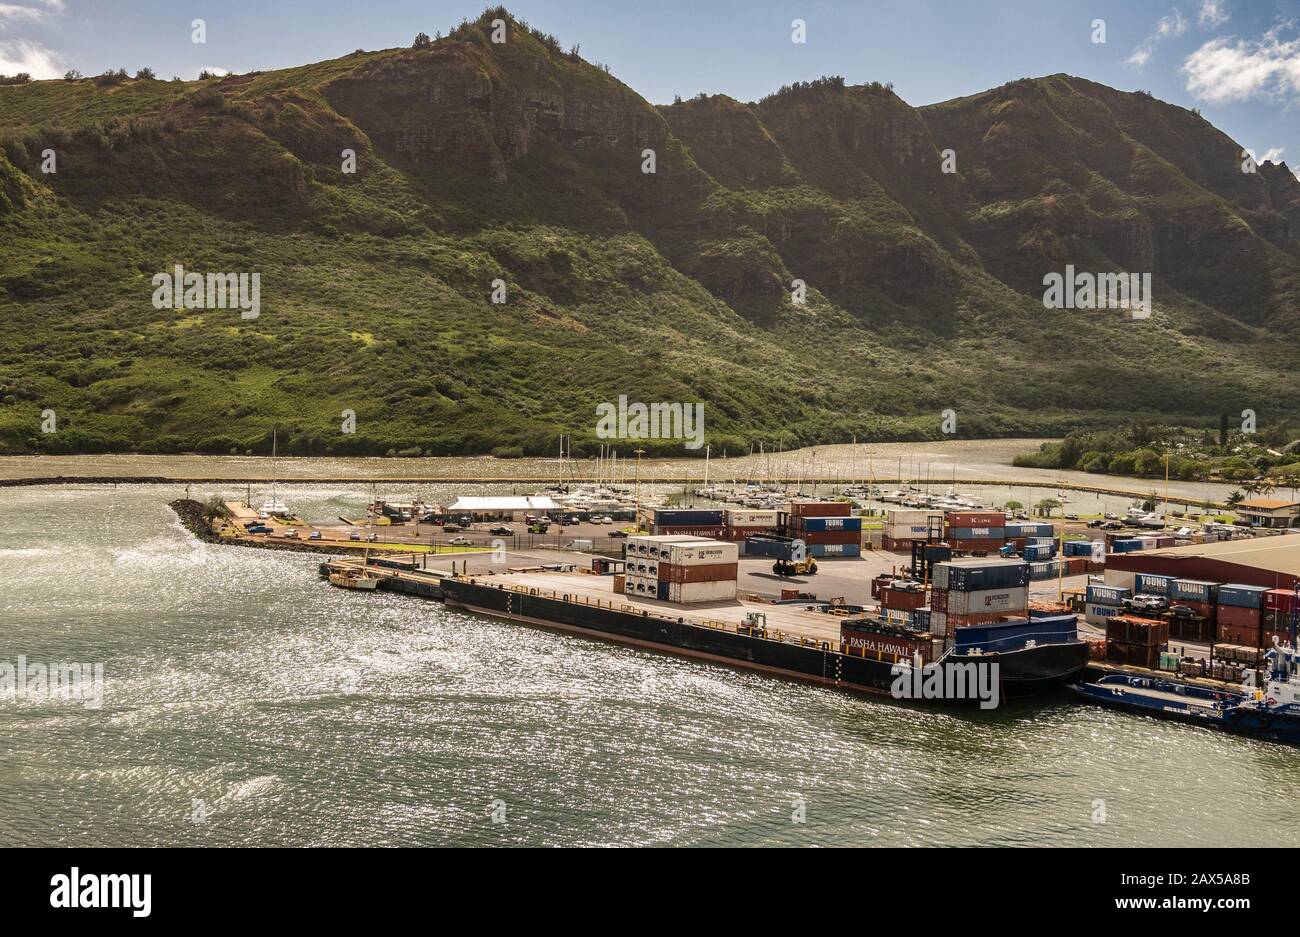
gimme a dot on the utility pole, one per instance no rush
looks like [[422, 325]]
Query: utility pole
[[639, 453]]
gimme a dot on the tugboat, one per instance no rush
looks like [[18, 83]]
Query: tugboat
[[1271, 712]]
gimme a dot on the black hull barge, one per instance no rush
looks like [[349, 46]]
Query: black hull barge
[[791, 642]]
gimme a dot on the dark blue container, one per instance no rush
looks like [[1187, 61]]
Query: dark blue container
[[977, 533], [1012, 635], [1153, 584], [818, 524], [1242, 596], [663, 590], [683, 518]]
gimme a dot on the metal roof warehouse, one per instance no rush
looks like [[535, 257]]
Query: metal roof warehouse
[[501, 507], [1262, 561]]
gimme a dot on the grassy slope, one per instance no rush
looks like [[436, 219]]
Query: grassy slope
[[671, 287]]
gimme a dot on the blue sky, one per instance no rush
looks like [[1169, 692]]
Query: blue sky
[[1237, 60]]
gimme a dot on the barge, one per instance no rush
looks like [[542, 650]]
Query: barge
[[800, 643]]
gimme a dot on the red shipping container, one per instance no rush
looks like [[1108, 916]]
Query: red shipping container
[[820, 509], [709, 572], [740, 533], [985, 545], [831, 536], [976, 519], [1235, 634], [705, 533], [982, 618], [1280, 600], [1234, 617], [1204, 609], [867, 642], [902, 599]]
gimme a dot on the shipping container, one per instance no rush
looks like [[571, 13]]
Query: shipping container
[[1125, 546], [987, 601], [902, 598], [977, 533], [1132, 629], [863, 638], [1239, 635], [681, 517], [687, 593], [1040, 551], [1012, 634], [832, 536], [813, 524], [967, 575], [1280, 600], [833, 550], [1153, 584], [1098, 614], [921, 619], [748, 518], [662, 590], [714, 532], [1192, 590], [1234, 616], [1241, 596], [1107, 595], [819, 509], [712, 572], [702, 553], [976, 519]]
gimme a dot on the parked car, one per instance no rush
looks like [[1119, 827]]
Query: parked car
[[291, 533], [354, 535], [1072, 517], [1112, 525], [459, 541], [1096, 523], [1146, 602], [618, 533], [314, 535], [1111, 517], [371, 538], [603, 519], [259, 529], [501, 530], [452, 528]]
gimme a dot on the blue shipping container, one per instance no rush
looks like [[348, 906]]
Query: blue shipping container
[[815, 524], [1242, 596], [1108, 595], [1048, 629], [1193, 590], [1125, 546], [833, 550], [1153, 584], [977, 533], [921, 619], [1078, 548], [1039, 551], [663, 590]]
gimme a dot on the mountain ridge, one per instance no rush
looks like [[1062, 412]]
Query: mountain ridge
[[521, 162]]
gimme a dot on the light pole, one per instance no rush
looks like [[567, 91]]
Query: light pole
[[638, 488]]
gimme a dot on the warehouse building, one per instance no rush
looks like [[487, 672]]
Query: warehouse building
[[1272, 562], [506, 508], [1269, 512]]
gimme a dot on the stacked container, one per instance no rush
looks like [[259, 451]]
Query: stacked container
[[699, 523], [1102, 603], [1135, 641], [829, 536], [697, 571], [905, 525], [977, 591], [976, 531], [1152, 584], [1239, 619], [1279, 604]]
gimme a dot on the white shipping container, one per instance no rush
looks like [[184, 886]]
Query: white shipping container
[[653, 545], [685, 593], [1119, 577], [988, 600], [703, 553], [907, 531], [751, 518], [938, 622], [908, 517], [1097, 614]]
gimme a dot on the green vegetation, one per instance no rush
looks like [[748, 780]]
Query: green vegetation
[[1142, 449], [521, 161]]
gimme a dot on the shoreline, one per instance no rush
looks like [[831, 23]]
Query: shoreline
[[115, 480]]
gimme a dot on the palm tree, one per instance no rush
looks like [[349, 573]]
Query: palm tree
[[1235, 497]]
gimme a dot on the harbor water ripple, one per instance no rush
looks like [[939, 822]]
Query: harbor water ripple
[[246, 703]]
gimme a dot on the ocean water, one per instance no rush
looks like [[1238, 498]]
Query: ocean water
[[247, 703]]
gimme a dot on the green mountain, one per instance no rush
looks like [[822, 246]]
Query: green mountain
[[479, 161]]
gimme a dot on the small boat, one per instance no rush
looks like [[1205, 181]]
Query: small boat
[[1271, 712], [353, 578]]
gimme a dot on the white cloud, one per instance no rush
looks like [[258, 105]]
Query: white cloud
[[23, 56], [13, 12], [1175, 24], [1224, 70], [1213, 14], [213, 69], [1272, 155]]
